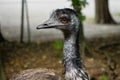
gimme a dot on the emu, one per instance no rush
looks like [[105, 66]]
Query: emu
[[68, 22]]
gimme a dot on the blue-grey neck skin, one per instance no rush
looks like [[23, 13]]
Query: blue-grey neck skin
[[72, 61]]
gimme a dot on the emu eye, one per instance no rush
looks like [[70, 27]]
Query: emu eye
[[64, 20]]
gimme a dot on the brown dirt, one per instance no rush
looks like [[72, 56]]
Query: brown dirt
[[103, 62]]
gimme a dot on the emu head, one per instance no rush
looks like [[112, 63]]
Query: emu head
[[63, 19]]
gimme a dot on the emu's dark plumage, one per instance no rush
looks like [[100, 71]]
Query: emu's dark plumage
[[70, 28], [68, 22]]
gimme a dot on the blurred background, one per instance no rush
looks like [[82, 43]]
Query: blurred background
[[22, 46]]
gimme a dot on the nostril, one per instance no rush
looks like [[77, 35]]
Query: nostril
[[45, 24]]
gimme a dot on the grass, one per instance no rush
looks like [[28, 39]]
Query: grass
[[58, 44], [104, 77]]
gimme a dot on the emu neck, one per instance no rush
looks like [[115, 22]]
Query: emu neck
[[72, 59]]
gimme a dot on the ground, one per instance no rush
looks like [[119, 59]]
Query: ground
[[102, 63], [45, 51]]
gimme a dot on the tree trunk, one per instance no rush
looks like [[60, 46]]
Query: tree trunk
[[2, 75], [1, 38], [102, 13], [22, 22]]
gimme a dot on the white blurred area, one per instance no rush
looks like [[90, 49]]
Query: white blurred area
[[39, 11]]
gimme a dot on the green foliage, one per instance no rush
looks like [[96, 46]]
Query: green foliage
[[58, 44], [104, 77], [82, 17], [78, 5]]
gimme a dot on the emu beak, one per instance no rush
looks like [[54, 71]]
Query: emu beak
[[46, 24]]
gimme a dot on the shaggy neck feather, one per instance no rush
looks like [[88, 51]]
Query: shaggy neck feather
[[71, 51], [72, 59]]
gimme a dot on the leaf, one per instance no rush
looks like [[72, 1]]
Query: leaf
[[104, 77], [58, 44], [82, 17]]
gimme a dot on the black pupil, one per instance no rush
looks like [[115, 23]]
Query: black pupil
[[64, 20]]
